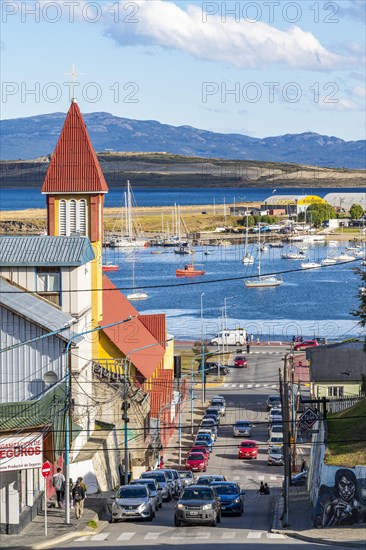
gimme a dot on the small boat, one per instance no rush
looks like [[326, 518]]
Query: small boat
[[136, 295], [363, 261], [329, 261], [264, 248], [359, 254], [303, 248], [276, 244], [248, 259], [189, 271], [293, 256], [264, 281], [182, 249], [156, 252], [310, 265], [108, 266], [345, 258]]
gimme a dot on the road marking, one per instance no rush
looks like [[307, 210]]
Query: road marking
[[275, 536], [152, 536], [126, 536], [250, 386], [233, 385], [81, 539], [274, 386], [226, 385], [228, 535], [241, 385], [257, 386], [203, 536], [260, 478], [236, 478], [273, 478], [100, 536], [254, 534], [265, 385]]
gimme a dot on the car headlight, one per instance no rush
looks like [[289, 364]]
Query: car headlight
[[236, 501], [202, 464], [181, 506], [207, 507], [143, 506]]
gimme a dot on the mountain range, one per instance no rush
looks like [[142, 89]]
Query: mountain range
[[36, 136]]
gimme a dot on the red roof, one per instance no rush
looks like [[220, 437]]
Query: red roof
[[156, 324], [132, 335], [74, 167]]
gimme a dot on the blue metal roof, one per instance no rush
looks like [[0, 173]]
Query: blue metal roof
[[45, 251], [35, 309]]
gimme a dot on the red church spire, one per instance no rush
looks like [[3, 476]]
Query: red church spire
[[74, 167]]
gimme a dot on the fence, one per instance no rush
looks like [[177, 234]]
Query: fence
[[337, 404]]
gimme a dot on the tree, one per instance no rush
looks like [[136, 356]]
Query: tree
[[361, 311], [318, 213], [356, 211]]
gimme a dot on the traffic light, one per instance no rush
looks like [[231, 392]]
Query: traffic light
[[125, 407], [177, 366]]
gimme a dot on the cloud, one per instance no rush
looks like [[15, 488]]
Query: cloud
[[341, 105], [353, 9], [242, 45], [359, 91]]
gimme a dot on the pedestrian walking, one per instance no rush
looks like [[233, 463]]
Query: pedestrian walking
[[266, 489], [161, 463], [248, 347], [303, 466], [85, 488], [261, 489], [58, 483], [78, 496], [251, 338], [71, 486]]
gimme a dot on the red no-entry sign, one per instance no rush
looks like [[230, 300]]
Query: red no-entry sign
[[46, 469]]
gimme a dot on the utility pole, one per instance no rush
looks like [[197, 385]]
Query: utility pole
[[202, 355], [125, 407], [286, 439]]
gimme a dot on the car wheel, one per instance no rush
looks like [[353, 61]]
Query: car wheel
[[213, 523], [205, 469], [160, 505], [151, 516], [241, 511], [113, 520], [218, 517], [177, 522]]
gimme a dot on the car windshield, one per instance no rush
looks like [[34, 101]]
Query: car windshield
[[242, 424], [209, 422], [273, 398], [159, 477], [240, 358], [226, 489], [247, 445], [185, 475], [197, 494], [196, 456], [277, 438], [217, 402], [205, 437], [132, 492], [198, 449], [169, 474], [275, 450]]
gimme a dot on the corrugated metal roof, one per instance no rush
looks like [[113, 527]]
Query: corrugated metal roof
[[345, 361], [283, 200], [131, 336], [346, 200], [156, 324], [35, 309], [74, 167], [45, 251]]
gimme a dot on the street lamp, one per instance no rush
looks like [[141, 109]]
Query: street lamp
[[68, 400], [225, 310], [202, 354]]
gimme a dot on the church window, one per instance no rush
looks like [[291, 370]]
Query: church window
[[62, 217]]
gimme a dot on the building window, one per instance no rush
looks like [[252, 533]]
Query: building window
[[62, 217], [82, 217], [335, 391], [72, 212], [48, 281]]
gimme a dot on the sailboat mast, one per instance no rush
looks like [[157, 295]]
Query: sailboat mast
[[125, 213], [129, 206], [259, 251], [178, 222]]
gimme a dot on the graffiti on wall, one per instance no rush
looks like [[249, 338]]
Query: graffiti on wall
[[344, 503]]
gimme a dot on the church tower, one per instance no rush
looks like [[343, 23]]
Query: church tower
[[75, 189]]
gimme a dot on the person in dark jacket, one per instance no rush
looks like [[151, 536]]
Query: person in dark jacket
[[78, 495]]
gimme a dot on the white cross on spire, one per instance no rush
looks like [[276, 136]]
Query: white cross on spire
[[73, 75]]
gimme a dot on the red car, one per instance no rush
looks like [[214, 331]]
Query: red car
[[240, 361], [196, 461], [305, 344], [248, 449], [200, 449]]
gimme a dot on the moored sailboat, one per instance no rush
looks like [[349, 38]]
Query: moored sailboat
[[263, 281]]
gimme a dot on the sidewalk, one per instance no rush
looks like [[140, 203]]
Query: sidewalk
[[32, 537], [300, 524]]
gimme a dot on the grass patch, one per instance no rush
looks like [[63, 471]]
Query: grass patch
[[346, 437], [92, 524]]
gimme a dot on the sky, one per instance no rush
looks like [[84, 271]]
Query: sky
[[260, 68]]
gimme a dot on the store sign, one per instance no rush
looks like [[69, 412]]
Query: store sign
[[21, 452]]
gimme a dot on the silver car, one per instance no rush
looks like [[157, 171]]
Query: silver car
[[186, 477], [219, 403], [133, 501], [174, 488], [162, 480], [275, 456], [153, 486], [242, 428]]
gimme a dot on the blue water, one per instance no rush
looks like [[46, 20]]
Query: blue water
[[309, 303], [23, 198]]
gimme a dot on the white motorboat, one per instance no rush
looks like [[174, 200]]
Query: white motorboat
[[276, 244], [310, 265], [293, 256], [345, 258], [329, 261]]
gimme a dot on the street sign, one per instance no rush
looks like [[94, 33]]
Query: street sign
[[46, 469], [308, 418]]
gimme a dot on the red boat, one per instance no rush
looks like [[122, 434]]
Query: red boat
[[110, 267], [189, 271]]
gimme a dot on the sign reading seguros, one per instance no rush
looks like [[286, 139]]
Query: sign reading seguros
[[21, 452]]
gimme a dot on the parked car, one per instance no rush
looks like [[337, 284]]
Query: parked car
[[274, 412], [172, 480], [210, 478], [275, 456], [248, 449], [231, 496], [213, 412], [242, 428], [276, 429], [208, 430], [205, 437], [198, 504], [153, 486], [218, 403], [273, 401], [276, 440], [299, 479], [210, 425], [200, 449], [133, 501], [216, 368], [240, 362], [214, 417], [186, 477], [277, 421], [196, 462], [305, 344], [163, 483], [178, 482]]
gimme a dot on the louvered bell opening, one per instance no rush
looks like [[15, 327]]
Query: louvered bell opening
[[72, 224], [62, 217], [82, 217]]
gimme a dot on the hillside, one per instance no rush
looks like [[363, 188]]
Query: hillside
[[36, 136], [159, 170]]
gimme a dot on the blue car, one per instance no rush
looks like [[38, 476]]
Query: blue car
[[230, 495], [205, 437]]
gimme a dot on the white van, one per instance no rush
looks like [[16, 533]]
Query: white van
[[236, 337]]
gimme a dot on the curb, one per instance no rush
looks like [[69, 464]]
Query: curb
[[69, 536], [298, 536]]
